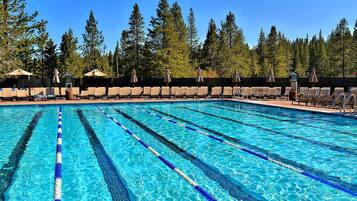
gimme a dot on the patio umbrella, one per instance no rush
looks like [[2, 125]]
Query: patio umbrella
[[236, 77], [56, 78], [313, 77], [167, 77], [271, 78], [199, 76], [134, 78], [18, 73], [95, 73]]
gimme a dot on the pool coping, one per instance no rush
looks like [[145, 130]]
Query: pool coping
[[143, 101]]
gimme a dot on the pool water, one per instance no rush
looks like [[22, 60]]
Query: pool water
[[232, 150]]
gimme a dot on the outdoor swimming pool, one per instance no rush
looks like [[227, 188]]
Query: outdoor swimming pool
[[224, 150]]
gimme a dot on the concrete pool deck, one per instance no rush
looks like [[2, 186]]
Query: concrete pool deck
[[277, 103]]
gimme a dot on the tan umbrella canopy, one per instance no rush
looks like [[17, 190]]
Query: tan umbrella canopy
[[313, 77], [134, 77], [56, 78], [199, 75], [19, 72], [95, 73], [271, 78], [236, 77], [167, 77]]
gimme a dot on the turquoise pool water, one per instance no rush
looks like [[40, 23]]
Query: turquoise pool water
[[233, 151]]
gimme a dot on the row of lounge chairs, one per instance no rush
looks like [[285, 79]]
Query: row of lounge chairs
[[322, 97]]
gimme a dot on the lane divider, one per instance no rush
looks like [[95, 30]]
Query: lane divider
[[58, 167], [198, 188], [255, 153], [263, 151], [332, 147], [235, 188], [284, 120]]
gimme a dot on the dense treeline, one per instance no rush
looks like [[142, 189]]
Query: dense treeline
[[170, 42]]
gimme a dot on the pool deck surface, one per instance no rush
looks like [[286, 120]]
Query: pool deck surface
[[278, 103]]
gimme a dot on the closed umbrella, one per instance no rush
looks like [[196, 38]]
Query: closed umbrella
[[271, 78], [167, 77], [134, 77], [199, 76], [313, 77], [56, 78], [236, 77]]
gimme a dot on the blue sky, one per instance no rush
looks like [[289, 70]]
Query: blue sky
[[295, 18]]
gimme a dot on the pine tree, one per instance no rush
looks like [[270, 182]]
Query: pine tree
[[261, 51], [135, 41], [234, 53], [210, 47], [192, 37], [69, 58], [124, 61], [354, 50], [92, 44], [18, 34], [339, 45], [117, 61], [50, 58], [166, 49]]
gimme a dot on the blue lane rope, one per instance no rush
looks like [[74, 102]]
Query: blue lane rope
[[58, 167], [198, 188], [257, 154]]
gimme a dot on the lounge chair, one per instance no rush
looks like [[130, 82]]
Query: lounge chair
[[324, 93], [136, 92], [99, 92], [202, 92], [91, 92], [181, 92], [146, 92], [259, 92], [38, 93], [8, 93], [271, 94], [278, 92], [227, 92], [313, 92], [75, 92], [165, 92], [22, 94], [236, 91], [173, 92], [84, 94], [286, 94], [113, 92], [155, 92], [191, 92], [1, 94], [216, 92], [246, 92], [124, 92]]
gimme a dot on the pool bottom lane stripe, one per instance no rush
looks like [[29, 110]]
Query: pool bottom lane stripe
[[225, 181], [198, 188], [314, 142], [58, 166], [266, 152], [8, 170], [257, 154], [115, 183]]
